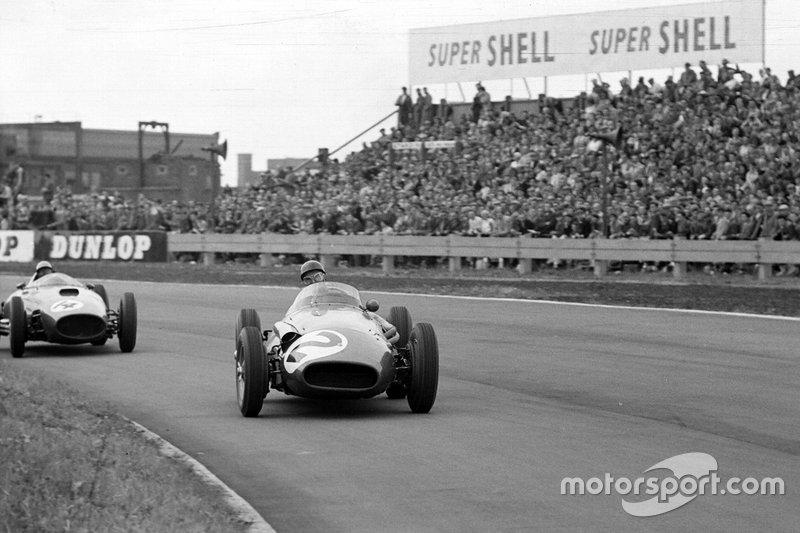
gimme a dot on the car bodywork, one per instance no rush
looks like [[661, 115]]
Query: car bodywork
[[329, 345], [57, 308]]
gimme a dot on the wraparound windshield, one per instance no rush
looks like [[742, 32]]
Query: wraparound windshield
[[56, 279], [326, 292]]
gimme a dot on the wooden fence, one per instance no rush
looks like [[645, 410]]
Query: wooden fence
[[599, 252]]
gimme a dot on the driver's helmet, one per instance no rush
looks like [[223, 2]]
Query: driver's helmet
[[312, 272], [43, 268]]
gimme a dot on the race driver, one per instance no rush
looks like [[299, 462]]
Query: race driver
[[313, 272]]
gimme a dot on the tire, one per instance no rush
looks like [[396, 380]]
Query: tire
[[101, 291], [127, 323], [251, 376], [396, 391], [400, 318], [424, 368], [18, 326], [246, 318]]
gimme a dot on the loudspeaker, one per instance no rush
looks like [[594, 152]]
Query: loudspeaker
[[219, 149], [222, 149]]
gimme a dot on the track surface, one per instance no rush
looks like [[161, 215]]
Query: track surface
[[529, 393]]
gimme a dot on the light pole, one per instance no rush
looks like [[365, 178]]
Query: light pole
[[215, 150], [613, 138], [142, 126]]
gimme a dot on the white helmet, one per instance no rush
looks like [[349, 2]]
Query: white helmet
[[309, 268], [44, 265]]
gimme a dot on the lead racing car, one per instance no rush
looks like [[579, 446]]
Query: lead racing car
[[57, 308], [329, 345]]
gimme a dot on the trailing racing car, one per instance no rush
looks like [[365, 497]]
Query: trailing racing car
[[329, 345], [57, 308]]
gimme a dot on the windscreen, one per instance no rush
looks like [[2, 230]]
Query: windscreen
[[326, 293], [56, 279]]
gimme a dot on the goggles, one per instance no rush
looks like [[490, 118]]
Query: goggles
[[314, 277]]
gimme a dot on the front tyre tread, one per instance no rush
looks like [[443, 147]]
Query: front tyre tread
[[127, 323], [251, 375], [424, 381]]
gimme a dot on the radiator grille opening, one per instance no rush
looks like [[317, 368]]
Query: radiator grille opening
[[81, 326], [341, 375]]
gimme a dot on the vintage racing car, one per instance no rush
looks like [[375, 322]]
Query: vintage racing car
[[329, 346], [58, 308]]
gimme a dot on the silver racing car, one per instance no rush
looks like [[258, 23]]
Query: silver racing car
[[330, 345], [57, 308]]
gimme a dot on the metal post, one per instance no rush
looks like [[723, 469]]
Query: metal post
[[215, 150], [330, 153], [212, 223], [527, 88], [142, 126], [141, 158], [604, 200]]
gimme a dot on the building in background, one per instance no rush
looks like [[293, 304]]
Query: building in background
[[246, 176], [159, 164]]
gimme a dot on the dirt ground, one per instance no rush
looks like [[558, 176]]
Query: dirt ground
[[734, 292]]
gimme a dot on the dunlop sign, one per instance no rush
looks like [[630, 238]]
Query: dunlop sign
[[16, 246], [107, 246], [606, 41]]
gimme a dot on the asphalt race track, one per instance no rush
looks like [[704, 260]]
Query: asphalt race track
[[529, 393]]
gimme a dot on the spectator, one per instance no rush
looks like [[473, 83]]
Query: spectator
[[427, 106], [48, 189], [418, 109], [6, 196], [655, 88], [477, 105], [404, 108], [444, 111], [688, 78]]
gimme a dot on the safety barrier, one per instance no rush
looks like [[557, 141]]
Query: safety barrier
[[599, 252]]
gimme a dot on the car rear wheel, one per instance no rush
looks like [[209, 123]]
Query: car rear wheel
[[18, 326], [246, 318], [424, 368], [127, 322], [400, 318], [251, 376]]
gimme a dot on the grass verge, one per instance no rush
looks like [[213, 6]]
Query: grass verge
[[70, 465]]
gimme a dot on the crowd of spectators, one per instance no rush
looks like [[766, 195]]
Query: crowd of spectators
[[100, 211], [710, 156], [706, 157]]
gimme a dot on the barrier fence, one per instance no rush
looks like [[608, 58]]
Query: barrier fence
[[599, 252], [23, 246]]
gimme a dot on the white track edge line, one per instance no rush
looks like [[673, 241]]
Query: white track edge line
[[244, 511]]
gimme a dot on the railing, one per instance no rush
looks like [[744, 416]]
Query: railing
[[599, 252]]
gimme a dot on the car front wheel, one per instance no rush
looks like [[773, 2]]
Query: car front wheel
[[251, 375], [127, 322], [18, 327], [424, 368]]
